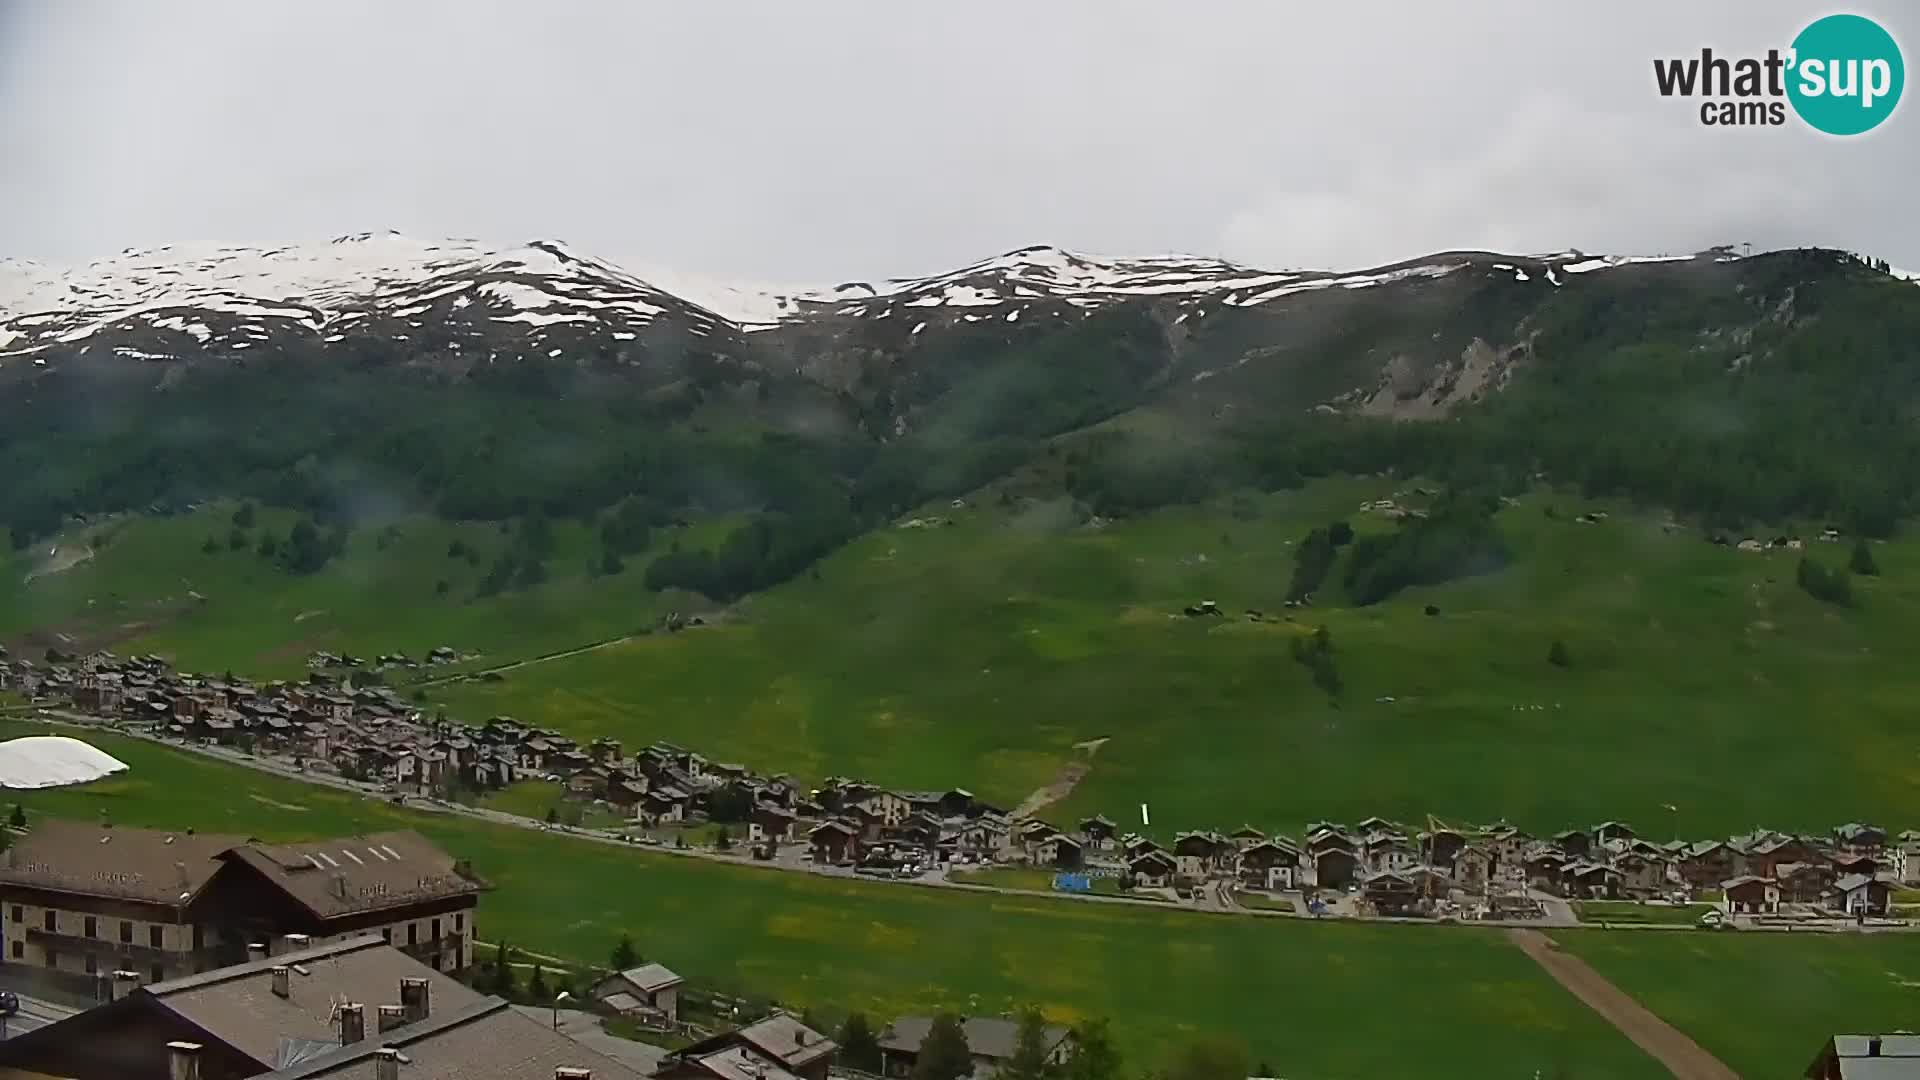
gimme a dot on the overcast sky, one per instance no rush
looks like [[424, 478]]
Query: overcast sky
[[827, 140]]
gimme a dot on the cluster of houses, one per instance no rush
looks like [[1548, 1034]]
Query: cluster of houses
[[372, 733], [1853, 870]]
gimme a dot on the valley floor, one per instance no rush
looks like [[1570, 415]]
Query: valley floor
[[1466, 997]]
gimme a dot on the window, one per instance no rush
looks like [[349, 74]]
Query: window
[[92, 926], [387, 933], [126, 932], [436, 930], [153, 937], [459, 921], [19, 914], [93, 966], [53, 920], [159, 973], [19, 950], [413, 933]]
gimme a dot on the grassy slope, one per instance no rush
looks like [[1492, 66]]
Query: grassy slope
[[979, 654], [371, 600], [1763, 1002], [1472, 1004]]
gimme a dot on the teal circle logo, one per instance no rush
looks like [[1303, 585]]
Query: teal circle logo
[[1846, 75]]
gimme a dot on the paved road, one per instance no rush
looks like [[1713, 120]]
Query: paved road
[[33, 1013], [1683, 1057]]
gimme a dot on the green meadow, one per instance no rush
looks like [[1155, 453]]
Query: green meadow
[[1313, 998], [988, 652]]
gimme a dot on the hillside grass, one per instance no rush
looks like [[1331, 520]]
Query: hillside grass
[[1627, 911], [149, 586], [1472, 1003], [1764, 1003], [979, 654]]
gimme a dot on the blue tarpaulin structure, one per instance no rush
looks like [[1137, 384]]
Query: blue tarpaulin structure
[[1073, 882]]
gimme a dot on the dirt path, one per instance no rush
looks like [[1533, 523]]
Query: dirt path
[[1064, 781], [1682, 1056], [60, 560]]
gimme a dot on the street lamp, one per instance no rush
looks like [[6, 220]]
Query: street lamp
[[557, 999]]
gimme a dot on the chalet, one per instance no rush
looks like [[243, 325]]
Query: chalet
[[1152, 869], [1642, 876], [1060, 850], [649, 991], [625, 792], [1848, 862], [1749, 895], [1376, 824], [1864, 839], [1133, 845], [770, 822], [776, 1047], [990, 1041], [1905, 858], [1615, 835], [664, 804], [1441, 846], [1574, 843], [1390, 893], [1334, 867], [1592, 881], [1546, 870], [1201, 854], [1098, 831], [1389, 852], [921, 833], [1859, 896], [835, 842], [1473, 868], [1762, 853], [309, 1012], [1707, 863], [889, 807], [1245, 837], [1804, 883], [1270, 864], [984, 837], [1507, 844]]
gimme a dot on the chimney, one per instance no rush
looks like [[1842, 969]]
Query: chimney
[[568, 1072], [256, 951], [183, 1061], [282, 981], [124, 983], [386, 1064], [414, 997], [353, 1023], [298, 941], [1873, 1046], [392, 1016]]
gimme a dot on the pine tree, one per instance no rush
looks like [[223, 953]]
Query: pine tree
[[1029, 1060], [859, 1044], [943, 1053], [537, 989], [18, 819], [503, 970], [1094, 1056], [1861, 562], [625, 956]]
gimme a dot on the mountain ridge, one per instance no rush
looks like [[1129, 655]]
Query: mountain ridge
[[391, 281]]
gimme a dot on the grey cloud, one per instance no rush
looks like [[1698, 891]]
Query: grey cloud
[[842, 139]]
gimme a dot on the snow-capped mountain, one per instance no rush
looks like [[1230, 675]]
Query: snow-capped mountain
[[171, 302]]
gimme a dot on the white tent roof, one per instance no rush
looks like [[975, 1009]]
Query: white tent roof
[[43, 761]]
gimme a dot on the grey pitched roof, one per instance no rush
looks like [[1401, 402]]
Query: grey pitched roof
[[651, 977], [237, 1004], [987, 1036], [488, 1040]]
